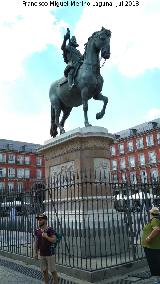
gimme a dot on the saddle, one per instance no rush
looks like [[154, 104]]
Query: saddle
[[64, 80]]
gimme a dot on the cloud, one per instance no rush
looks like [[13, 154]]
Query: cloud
[[135, 43], [24, 31], [29, 128], [152, 114]]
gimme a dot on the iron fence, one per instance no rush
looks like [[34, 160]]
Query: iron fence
[[100, 222]]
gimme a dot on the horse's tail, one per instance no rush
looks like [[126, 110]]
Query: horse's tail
[[53, 129]]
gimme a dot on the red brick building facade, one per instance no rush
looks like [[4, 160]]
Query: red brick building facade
[[135, 154], [20, 166]]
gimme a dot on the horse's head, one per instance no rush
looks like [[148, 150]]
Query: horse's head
[[102, 42]]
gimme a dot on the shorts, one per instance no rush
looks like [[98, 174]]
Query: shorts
[[48, 263]]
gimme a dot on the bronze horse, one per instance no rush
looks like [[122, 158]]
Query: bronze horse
[[88, 82]]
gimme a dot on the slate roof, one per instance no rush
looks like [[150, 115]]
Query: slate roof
[[138, 129], [18, 146]]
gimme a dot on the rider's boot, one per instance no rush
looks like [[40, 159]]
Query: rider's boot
[[70, 81]]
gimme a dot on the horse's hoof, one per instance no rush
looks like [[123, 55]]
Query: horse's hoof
[[88, 124], [62, 131], [99, 115]]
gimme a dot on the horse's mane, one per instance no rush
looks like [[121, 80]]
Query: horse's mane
[[86, 44], [108, 32]]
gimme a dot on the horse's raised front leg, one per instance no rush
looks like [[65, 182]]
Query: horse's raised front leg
[[84, 96], [100, 97]]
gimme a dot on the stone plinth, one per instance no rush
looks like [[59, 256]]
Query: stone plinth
[[78, 150], [77, 164]]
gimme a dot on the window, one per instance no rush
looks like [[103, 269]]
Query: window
[[152, 157], [2, 158], [20, 173], [11, 172], [20, 159], [20, 186], [149, 140], [158, 138], [2, 186], [122, 163], [139, 143], [130, 146], [2, 172], [11, 158], [143, 176], [114, 165], [113, 151], [39, 173], [133, 178], [121, 148], [154, 174], [10, 186], [27, 160], [27, 173], [115, 178], [142, 159], [131, 161], [38, 161], [123, 177]]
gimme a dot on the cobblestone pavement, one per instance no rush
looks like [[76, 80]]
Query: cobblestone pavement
[[9, 276], [17, 272]]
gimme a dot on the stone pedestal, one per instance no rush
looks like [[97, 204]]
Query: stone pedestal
[[78, 164], [82, 149]]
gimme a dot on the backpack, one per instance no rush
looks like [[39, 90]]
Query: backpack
[[58, 239]]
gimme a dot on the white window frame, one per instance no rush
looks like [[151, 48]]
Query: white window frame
[[27, 173], [133, 178], [3, 172], [39, 176], [131, 161], [11, 172], [20, 159], [154, 173], [124, 177], [114, 165], [122, 163], [2, 157], [20, 170], [121, 148], [139, 143], [130, 146], [39, 161], [20, 186], [10, 186], [143, 175], [11, 161], [2, 186], [142, 160], [158, 138], [27, 160], [113, 150], [152, 159], [149, 140]]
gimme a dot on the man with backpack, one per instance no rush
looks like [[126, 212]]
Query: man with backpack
[[45, 242]]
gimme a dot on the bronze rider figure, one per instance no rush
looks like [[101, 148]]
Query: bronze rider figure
[[72, 57]]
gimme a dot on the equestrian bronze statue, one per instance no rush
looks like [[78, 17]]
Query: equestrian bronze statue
[[82, 79]]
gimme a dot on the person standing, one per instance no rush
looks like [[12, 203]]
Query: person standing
[[45, 238], [151, 242]]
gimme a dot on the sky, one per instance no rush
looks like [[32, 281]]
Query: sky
[[31, 59]]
